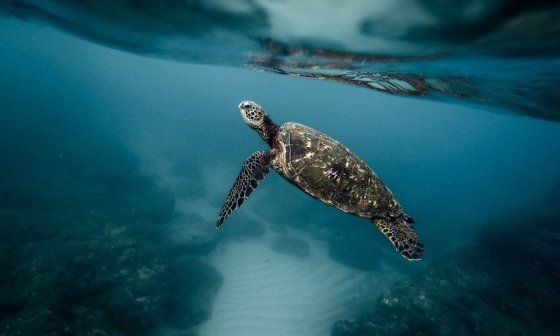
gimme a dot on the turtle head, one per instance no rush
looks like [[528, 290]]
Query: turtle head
[[253, 114]]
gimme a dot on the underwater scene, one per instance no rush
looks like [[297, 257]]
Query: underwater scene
[[402, 160]]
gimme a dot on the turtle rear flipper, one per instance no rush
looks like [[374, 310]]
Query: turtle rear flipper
[[402, 236], [253, 171]]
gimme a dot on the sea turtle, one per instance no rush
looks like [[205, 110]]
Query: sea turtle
[[325, 169]]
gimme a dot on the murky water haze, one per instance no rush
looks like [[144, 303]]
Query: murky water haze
[[115, 166]]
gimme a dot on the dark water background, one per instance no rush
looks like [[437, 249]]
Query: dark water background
[[114, 166]]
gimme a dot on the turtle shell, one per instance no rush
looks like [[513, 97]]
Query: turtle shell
[[332, 173]]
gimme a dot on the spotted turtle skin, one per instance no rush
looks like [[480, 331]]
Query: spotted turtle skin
[[329, 171]]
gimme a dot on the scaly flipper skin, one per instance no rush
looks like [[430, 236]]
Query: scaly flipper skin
[[253, 171], [402, 235]]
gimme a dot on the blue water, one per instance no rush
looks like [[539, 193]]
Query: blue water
[[115, 165]]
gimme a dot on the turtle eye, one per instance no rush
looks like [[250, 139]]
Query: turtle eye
[[247, 106]]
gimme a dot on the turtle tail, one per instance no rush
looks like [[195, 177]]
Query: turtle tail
[[402, 235]]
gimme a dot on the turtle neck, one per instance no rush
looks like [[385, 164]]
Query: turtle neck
[[268, 131]]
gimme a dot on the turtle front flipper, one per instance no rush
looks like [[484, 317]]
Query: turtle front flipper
[[402, 236], [253, 171]]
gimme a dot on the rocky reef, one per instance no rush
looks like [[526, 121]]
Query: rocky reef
[[83, 242], [504, 283]]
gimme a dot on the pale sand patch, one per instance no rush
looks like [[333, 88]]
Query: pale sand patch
[[267, 293]]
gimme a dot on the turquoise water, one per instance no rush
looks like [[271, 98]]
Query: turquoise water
[[118, 149]]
